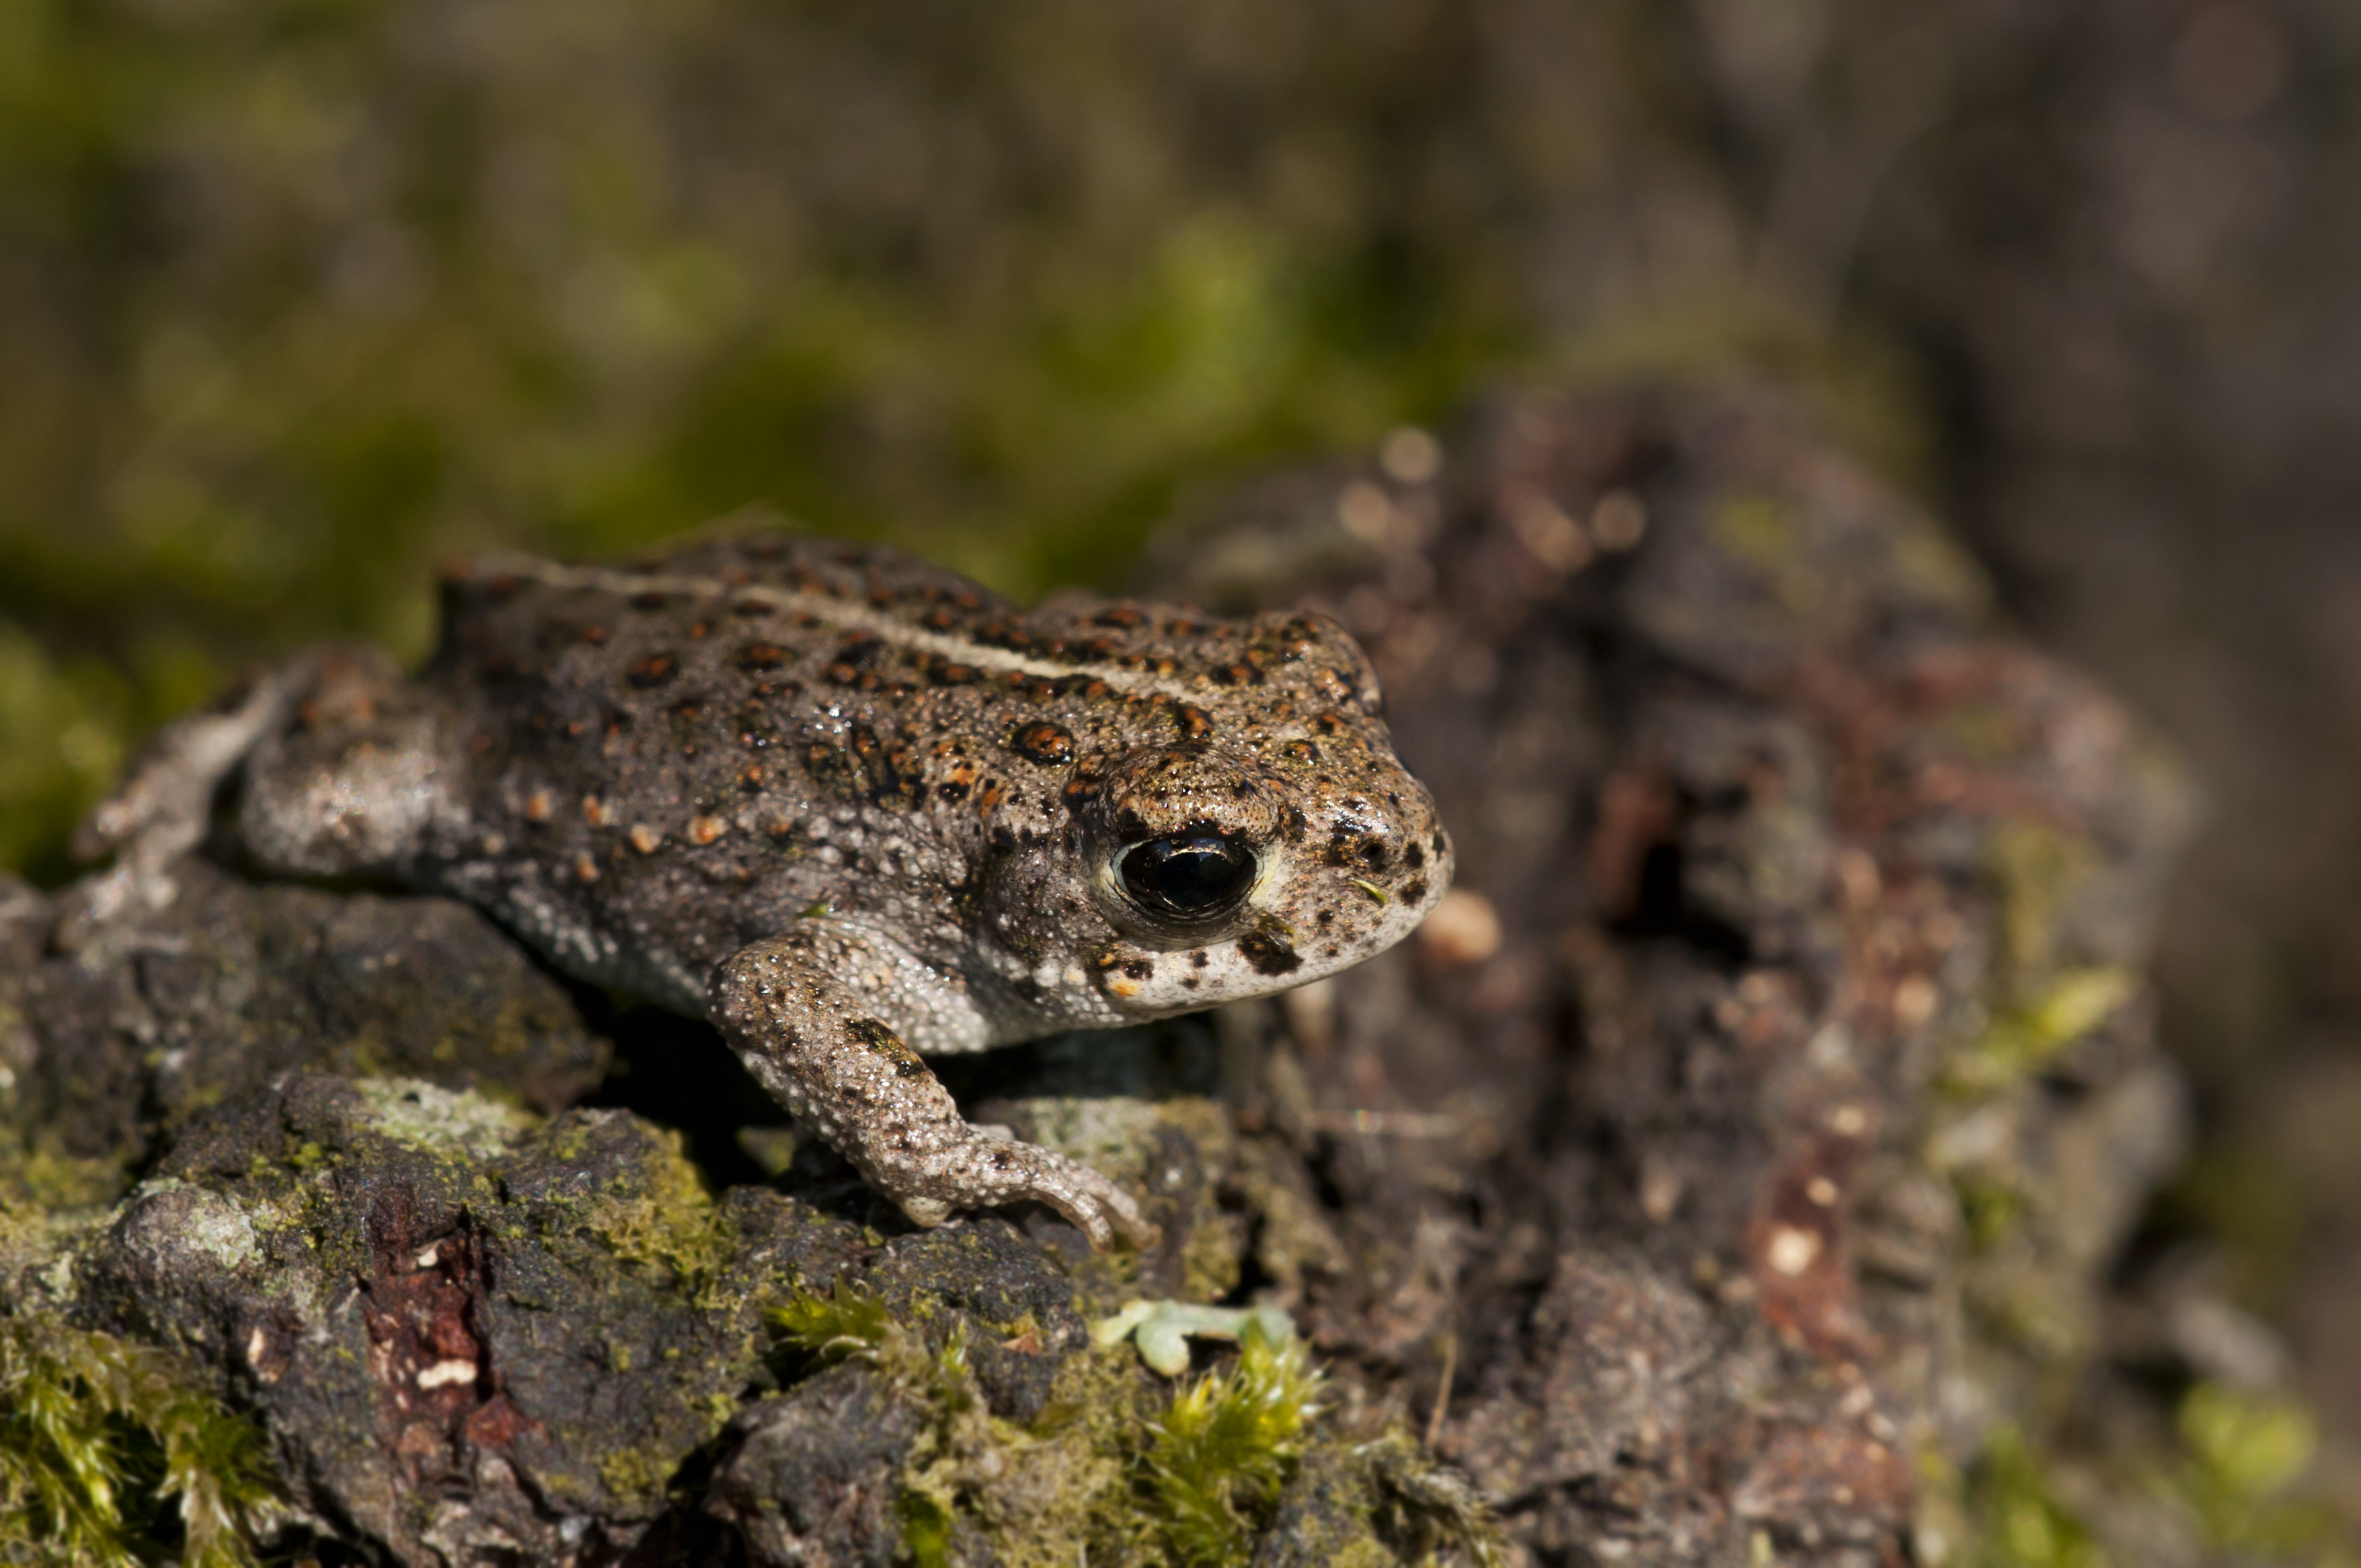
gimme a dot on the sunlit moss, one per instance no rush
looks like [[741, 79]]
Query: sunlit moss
[[669, 1224], [2038, 871], [2244, 1455], [34, 1170], [1992, 1210], [959, 1441], [1227, 1444], [1113, 1472], [2023, 1042], [108, 1457], [2020, 1521], [846, 1322]]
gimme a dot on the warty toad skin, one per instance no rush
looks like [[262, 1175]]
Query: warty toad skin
[[852, 807]]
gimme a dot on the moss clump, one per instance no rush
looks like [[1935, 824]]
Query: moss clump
[[2022, 1523], [847, 1323], [97, 1436], [2040, 874], [1226, 1447], [634, 1474], [1110, 1472], [435, 1120], [961, 1445], [2023, 1042], [34, 1172], [2244, 1455], [670, 1224]]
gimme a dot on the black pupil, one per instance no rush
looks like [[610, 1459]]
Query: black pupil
[[1190, 876]]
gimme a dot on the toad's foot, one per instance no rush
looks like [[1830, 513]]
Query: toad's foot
[[820, 1015], [974, 1170]]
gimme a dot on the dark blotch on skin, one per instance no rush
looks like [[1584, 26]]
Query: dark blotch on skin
[[1048, 744], [1268, 953], [854, 659], [887, 1044], [761, 657], [653, 670]]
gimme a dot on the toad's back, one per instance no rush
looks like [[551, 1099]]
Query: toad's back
[[850, 807], [668, 760]]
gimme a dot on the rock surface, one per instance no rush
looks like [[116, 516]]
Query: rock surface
[[1730, 1164]]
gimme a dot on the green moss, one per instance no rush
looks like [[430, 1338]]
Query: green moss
[[2027, 1039], [926, 1528], [1115, 1472], [1993, 1211], [2037, 871], [2020, 1521], [441, 1121], [633, 1476], [670, 1225], [108, 1456], [847, 1323], [2244, 1455], [965, 1461], [1941, 1534], [35, 1172], [1227, 1444], [2238, 1474]]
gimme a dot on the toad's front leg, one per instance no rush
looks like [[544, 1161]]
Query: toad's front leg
[[820, 1016]]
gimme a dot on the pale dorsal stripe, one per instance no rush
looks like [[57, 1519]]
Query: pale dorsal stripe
[[843, 614]]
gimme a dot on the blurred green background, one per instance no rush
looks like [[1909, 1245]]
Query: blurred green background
[[298, 297], [302, 295]]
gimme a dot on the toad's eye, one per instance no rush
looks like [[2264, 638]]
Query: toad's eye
[[1192, 877]]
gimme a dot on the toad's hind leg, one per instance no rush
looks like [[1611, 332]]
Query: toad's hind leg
[[339, 762], [821, 1016], [164, 807]]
